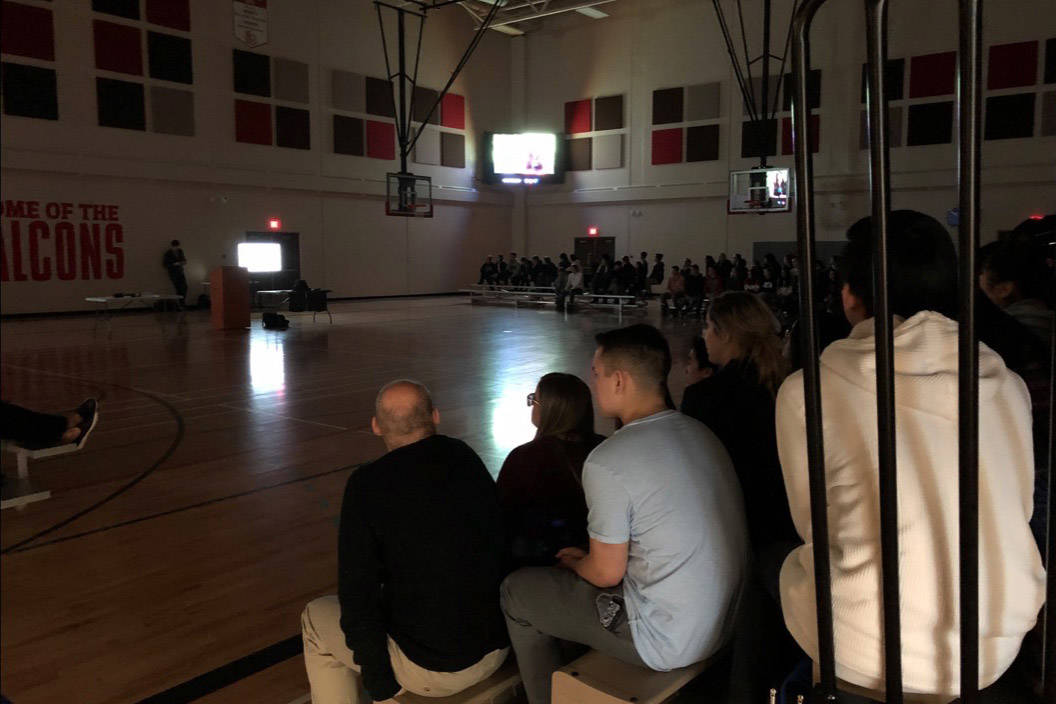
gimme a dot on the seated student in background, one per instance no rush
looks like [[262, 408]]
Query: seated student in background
[[420, 560], [1014, 275], [540, 484], [699, 368], [923, 292], [676, 292], [659, 584], [742, 337]]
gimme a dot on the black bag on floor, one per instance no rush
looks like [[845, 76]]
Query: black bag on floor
[[275, 321]]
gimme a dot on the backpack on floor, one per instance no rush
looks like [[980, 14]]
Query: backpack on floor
[[274, 321]]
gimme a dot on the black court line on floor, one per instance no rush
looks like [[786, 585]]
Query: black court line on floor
[[228, 674], [200, 504], [180, 429]]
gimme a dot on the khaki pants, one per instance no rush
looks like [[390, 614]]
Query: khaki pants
[[334, 675]]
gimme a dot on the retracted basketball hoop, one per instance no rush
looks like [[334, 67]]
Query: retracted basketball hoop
[[407, 194]]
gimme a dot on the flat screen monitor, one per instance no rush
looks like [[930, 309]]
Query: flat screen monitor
[[767, 190], [260, 257], [524, 158]]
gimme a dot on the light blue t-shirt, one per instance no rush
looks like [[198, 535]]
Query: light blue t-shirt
[[665, 484]]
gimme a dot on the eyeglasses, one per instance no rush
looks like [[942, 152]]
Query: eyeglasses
[[532, 400]]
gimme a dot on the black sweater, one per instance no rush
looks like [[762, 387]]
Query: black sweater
[[420, 559], [740, 411]]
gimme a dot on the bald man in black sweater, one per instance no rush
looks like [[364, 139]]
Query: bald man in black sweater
[[420, 560]]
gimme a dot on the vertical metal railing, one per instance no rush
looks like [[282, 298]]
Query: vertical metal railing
[[819, 519], [880, 182], [969, 144], [968, 393]]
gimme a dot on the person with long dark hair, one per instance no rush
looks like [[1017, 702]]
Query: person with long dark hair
[[540, 484]]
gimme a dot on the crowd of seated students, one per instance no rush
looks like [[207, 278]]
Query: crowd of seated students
[[687, 534]]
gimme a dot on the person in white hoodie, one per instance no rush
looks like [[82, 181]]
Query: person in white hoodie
[[922, 276]]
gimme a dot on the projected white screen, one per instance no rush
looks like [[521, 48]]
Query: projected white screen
[[527, 154], [260, 256]]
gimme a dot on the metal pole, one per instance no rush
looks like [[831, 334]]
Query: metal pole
[[969, 120], [819, 518], [880, 180], [402, 120], [766, 80], [1048, 686]]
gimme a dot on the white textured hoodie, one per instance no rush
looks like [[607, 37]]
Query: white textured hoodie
[[1011, 581]]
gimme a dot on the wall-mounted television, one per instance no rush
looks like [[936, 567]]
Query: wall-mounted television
[[764, 190], [523, 158], [260, 257]]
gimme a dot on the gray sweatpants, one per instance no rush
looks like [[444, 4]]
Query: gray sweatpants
[[544, 605]]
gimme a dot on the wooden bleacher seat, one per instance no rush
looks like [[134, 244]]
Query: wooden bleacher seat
[[500, 688], [601, 679], [18, 492]]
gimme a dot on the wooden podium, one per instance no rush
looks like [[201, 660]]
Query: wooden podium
[[229, 291]]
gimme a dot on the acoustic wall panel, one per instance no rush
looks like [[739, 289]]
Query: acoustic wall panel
[[27, 31], [894, 79], [172, 111], [381, 140], [453, 111], [813, 90], [608, 113], [347, 91], [1012, 65], [169, 13], [813, 134], [578, 116], [894, 127], [252, 122], [579, 154], [667, 146], [453, 150], [667, 106], [379, 97], [120, 104], [1009, 116], [757, 136], [427, 148], [252, 73], [129, 9], [169, 58], [702, 143], [1048, 114], [292, 128], [703, 101], [931, 123], [348, 135], [423, 101], [29, 91], [608, 151], [290, 80], [932, 74], [117, 48], [1050, 60]]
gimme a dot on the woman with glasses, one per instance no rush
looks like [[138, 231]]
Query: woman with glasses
[[540, 487]]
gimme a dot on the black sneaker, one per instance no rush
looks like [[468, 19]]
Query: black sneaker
[[89, 413]]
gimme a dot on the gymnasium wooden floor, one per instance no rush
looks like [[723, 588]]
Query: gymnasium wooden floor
[[241, 443]]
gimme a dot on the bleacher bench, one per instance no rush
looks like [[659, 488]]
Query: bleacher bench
[[19, 491], [500, 688], [601, 679]]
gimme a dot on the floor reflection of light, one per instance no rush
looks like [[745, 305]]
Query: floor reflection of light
[[511, 421], [267, 364]]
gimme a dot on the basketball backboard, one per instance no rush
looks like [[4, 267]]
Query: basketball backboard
[[407, 195]]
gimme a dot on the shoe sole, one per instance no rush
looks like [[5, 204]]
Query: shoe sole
[[91, 426]]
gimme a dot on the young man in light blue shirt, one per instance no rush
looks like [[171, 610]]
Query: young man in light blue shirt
[[659, 584]]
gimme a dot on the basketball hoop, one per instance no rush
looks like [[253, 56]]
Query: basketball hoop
[[409, 195]]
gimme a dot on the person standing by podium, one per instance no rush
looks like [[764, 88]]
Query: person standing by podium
[[174, 261]]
